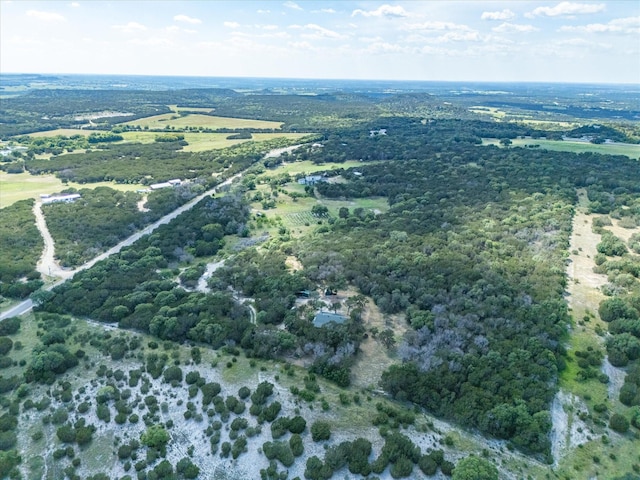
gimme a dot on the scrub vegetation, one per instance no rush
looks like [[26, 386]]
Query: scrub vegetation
[[439, 264]]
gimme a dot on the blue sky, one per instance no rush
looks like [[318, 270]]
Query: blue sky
[[559, 41]]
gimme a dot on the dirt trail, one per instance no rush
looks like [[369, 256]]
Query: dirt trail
[[47, 265], [583, 295]]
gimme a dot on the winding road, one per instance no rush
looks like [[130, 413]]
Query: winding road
[[49, 267]]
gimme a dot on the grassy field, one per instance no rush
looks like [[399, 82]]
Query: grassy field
[[176, 108], [67, 132], [197, 120], [14, 187], [628, 149], [200, 142], [307, 167]]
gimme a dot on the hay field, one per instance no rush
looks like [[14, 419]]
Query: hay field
[[198, 120], [200, 142], [629, 149], [20, 186]]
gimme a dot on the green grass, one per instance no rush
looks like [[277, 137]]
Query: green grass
[[176, 108], [200, 142], [198, 120], [20, 186], [66, 132], [582, 463], [308, 167], [628, 149]]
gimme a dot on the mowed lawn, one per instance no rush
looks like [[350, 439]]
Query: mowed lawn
[[629, 149], [198, 120], [20, 186]]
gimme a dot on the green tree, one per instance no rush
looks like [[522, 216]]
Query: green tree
[[618, 423], [155, 437], [320, 430], [475, 468]]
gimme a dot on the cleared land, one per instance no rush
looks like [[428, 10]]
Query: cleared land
[[197, 120], [628, 149], [578, 443], [176, 108], [200, 142], [20, 186], [67, 132]]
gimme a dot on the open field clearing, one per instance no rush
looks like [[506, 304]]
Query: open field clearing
[[176, 108], [580, 444], [498, 114], [628, 149], [307, 167], [20, 186], [197, 120], [67, 132], [200, 142]]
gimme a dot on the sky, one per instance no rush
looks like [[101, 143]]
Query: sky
[[535, 41]]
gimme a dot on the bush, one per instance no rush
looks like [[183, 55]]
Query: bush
[[402, 468], [187, 469], [173, 374], [618, 423], [320, 430]]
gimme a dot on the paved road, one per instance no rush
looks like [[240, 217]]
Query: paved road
[[27, 305]]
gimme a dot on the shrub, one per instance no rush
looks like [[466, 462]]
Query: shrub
[[320, 430], [618, 423]]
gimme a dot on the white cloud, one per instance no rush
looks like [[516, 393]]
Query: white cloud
[[172, 29], [131, 27], [514, 28], [74, 4], [268, 27], [458, 36], [324, 10], [301, 45], [437, 26], [263, 11], [567, 9], [383, 11], [292, 5], [317, 31], [46, 16], [628, 25], [505, 14], [231, 24], [187, 19], [581, 42], [152, 42], [378, 48]]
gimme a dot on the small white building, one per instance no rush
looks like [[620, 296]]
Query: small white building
[[170, 183], [67, 198]]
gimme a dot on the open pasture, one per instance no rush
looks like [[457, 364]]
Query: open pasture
[[176, 108], [200, 142], [308, 167], [198, 120], [20, 186], [66, 132], [629, 149]]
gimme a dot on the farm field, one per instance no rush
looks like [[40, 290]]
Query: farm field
[[67, 132], [628, 149], [20, 186], [197, 120], [200, 142], [176, 108]]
